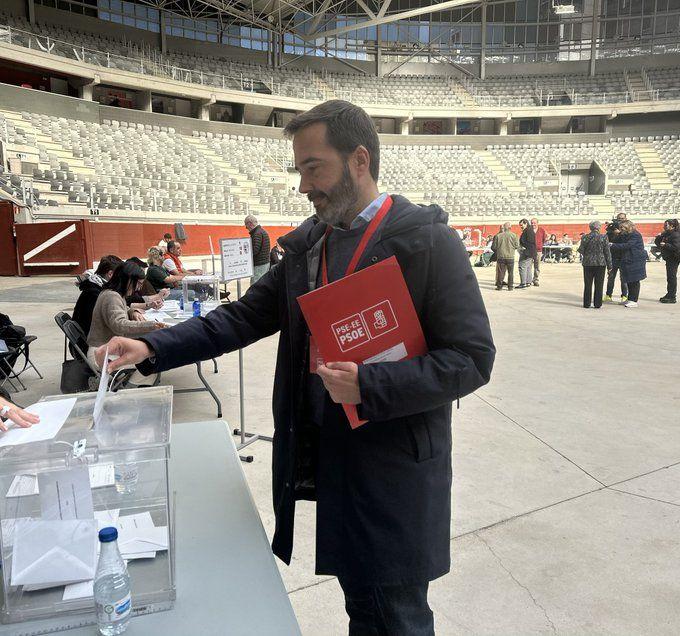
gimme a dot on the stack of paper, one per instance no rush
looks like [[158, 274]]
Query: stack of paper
[[170, 305], [156, 316], [138, 538], [101, 475]]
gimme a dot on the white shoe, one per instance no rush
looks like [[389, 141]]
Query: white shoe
[[630, 303]]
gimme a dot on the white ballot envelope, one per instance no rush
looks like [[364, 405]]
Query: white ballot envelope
[[48, 553]]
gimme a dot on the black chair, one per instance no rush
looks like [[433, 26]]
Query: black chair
[[7, 374], [23, 350], [61, 319]]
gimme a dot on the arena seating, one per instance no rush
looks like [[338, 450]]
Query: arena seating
[[288, 81], [142, 169]]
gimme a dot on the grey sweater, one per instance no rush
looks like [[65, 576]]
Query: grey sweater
[[111, 318]]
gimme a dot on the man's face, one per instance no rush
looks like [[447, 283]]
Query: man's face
[[325, 175], [620, 217], [176, 250], [534, 223]]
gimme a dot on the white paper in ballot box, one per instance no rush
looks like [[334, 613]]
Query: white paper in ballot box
[[53, 552]]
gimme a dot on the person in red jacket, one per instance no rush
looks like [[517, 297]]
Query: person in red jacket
[[540, 239]]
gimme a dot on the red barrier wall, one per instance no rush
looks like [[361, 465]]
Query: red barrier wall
[[8, 252], [72, 248]]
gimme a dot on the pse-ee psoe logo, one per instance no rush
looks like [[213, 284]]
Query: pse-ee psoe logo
[[362, 327]]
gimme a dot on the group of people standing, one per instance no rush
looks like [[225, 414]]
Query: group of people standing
[[620, 250]]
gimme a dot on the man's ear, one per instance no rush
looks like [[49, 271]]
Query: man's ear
[[362, 160]]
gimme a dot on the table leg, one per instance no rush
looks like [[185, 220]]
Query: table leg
[[208, 388]]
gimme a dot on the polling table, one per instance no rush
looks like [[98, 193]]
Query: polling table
[[227, 580]]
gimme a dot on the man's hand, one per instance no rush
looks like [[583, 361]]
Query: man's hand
[[341, 380], [130, 352]]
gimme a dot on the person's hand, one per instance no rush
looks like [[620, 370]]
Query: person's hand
[[21, 418], [160, 325], [130, 352], [154, 304], [341, 380], [138, 315], [198, 272], [163, 294]]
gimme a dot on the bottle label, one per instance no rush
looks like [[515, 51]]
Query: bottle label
[[113, 612]]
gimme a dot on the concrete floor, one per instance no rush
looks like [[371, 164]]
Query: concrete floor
[[566, 466]]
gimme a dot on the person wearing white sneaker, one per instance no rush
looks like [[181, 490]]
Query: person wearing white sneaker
[[630, 303], [633, 260]]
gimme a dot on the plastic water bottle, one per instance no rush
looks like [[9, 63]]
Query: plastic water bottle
[[181, 302], [111, 586], [197, 308], [125, 477]]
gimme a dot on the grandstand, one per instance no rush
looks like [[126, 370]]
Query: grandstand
[[153, 125]]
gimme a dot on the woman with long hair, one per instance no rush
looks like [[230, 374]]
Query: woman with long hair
[[633, 260], [669, 244], [111, 316]]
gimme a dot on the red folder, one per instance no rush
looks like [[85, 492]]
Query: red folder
[[366, 317]]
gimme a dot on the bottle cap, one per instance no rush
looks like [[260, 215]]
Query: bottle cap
[[108, 534]]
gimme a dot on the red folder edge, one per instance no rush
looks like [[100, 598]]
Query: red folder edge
[[369, 287]]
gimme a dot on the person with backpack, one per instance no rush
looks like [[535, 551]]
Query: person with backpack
[[597, 258], [669, 244]]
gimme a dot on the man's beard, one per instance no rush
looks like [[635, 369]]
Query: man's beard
[[339, 203]]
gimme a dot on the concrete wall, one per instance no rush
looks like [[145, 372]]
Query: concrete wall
[[644, 124], [19, 99]]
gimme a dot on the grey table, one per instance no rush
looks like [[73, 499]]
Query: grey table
[[227, 579]]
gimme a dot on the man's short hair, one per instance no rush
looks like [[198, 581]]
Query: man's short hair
[[507, 225], [171, 245], [167, 236], [107, 264], [594, 225], [347, 128], [250, 219]]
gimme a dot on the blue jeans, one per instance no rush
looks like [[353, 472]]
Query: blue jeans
[[611, 279], [388, 610]]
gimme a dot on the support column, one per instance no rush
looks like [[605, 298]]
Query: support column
[[403, 125], [144, 101], [378, 53], [502, 126], [594, 34], [163, 34], [86, 92], [30, 11], [482, 52]]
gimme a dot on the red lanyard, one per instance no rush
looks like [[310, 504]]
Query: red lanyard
[[359, 252]]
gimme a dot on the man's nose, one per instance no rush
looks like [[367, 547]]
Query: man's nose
[[305, 186]]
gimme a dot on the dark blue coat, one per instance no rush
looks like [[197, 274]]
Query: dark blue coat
[[631, 256], [383, 491]]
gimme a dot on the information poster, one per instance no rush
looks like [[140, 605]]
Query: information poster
[[237, 258]]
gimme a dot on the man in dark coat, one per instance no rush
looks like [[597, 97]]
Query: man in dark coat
[[614, 236], [260, 242], [383, 490], [668, 242]]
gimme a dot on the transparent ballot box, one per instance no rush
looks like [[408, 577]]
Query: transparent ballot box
[[204, 288], [56, 494]]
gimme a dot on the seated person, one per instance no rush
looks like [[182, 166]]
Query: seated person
[[111, 316], [90, 288], [566, 252], [163, 243], [548, 253], [159, 278], [173, 263], [146, 297]]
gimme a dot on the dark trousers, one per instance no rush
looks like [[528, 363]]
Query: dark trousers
[[388, 610], [634, 291], [612, 278], [593, 274], [503, 265], [672, 277]]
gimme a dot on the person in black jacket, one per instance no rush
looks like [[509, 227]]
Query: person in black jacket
[[596, 259], [90, 288], [614, 236], [527, 253], [669, 244], [260, 241], [383, 490]]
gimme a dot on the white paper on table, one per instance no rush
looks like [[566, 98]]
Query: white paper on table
[[101, 390], [84, 589], [170, 305], [48, 553], [101, 475], [138, 538], [156, 316], [106, 518], [66, 494], [53, 416]]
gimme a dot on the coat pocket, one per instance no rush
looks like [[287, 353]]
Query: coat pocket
[[420, 438]]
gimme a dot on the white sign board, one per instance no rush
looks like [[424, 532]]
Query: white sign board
[[237, 258]]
